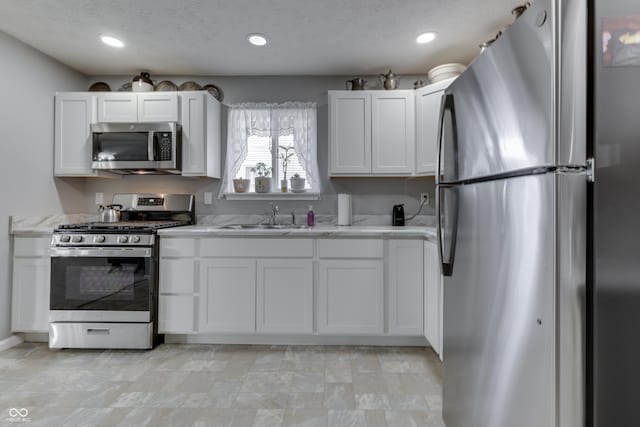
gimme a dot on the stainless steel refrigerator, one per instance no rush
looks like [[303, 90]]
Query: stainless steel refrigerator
[[512, 209], [540, 247]]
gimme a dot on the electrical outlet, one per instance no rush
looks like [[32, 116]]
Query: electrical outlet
[[208, 197], [424, 197], [99, 198]]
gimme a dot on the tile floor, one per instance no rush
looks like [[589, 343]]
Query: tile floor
[[222, 386]]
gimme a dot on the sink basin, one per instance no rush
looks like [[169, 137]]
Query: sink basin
[[263, 226]]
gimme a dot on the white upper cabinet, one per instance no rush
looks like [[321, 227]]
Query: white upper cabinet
[[392, 134], [371, 133], [200, 120], [349, 132], [428, 100], [119, 107], [74, 113]]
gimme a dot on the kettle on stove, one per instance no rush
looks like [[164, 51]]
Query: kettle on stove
[[397, 215]]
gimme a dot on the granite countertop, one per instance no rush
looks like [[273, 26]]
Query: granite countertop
[[416, 232]]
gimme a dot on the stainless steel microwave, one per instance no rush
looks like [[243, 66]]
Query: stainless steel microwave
[[137, 148]]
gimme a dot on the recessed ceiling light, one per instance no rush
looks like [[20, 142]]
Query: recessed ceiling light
[[426, 37], [112, 41], [257, 39]]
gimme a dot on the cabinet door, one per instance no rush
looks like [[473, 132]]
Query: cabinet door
[[427, 125], [30, 298], [176, 314], [227, 295], [117, 108], [432, 297], [193, 134], [157, 107], [349, 133], [74, 113], [285, 296], [393, 132], [405, 273], [350, 297]]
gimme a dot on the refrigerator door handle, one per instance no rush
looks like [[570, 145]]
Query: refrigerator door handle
[[447, 228], [447, 105]]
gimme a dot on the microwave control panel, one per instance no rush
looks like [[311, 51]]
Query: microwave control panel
[[164, 146]]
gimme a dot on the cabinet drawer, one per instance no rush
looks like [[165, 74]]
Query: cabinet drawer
[[230, 247], [177, 276], [177, 247], [31, 246], [176, 314], [350, 248]]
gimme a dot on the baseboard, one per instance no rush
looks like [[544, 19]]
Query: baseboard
[[296, 340], [10, 341]]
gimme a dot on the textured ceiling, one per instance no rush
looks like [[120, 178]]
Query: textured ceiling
[[306, 37]]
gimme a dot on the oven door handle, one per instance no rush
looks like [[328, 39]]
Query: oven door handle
[[101, 252]]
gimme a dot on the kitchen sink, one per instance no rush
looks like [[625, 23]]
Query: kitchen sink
[[263, 226]]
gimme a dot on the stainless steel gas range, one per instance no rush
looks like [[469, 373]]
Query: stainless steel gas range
[[104, 275]]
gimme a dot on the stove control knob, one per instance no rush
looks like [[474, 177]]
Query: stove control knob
[[100, 239], [123, 239], [77, 239], [65, 238], [135, 239]]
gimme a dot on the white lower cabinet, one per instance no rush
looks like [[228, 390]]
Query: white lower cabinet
[[285, 296], [327, 286], [405, 279], [177, 299], [432, 297], [31, 281], [227, 295], [350, 296], [176, 314]]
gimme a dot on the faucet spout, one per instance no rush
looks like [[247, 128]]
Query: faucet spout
[[274, 211]]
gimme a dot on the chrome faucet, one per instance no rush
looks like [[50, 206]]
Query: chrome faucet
[[274, 211], [293, 218]]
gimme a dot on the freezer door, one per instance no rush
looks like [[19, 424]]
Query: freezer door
[[504, 104], [499, 325]]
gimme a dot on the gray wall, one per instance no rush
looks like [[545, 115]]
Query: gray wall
[[30, 80], [370, 196]]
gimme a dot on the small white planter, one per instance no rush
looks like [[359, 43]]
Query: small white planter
[[297, 184], [241, 185], [263, 184]]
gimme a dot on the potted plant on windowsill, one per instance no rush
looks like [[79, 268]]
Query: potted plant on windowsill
[[284, 158], [297, 183], [262, 181]]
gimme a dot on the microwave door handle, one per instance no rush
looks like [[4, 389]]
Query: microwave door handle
[[150, 147]]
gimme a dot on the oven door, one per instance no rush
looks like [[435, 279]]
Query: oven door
[[103, 284]]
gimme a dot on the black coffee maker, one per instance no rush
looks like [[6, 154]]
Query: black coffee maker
[[397, 215]]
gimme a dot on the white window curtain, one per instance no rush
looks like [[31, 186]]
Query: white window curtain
[[261, 119]]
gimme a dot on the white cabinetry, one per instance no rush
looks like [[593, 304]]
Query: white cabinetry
[[432, 297], [177, 300], [393, 132], [285, 296], [350, 287], [371, 133], [200, 120], [405, 279], [428, 100], [31, 280], [121, 107], [74, 114], [227, 295]]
